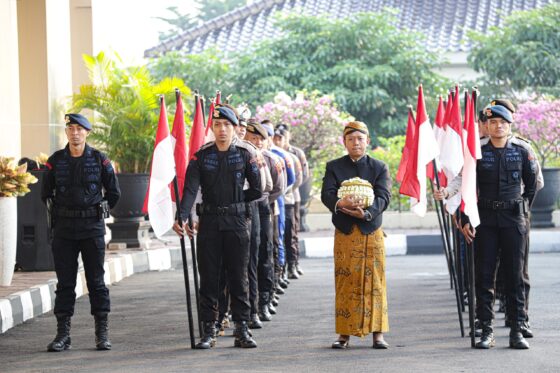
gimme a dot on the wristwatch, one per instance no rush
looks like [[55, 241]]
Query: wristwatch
[[367, 216]]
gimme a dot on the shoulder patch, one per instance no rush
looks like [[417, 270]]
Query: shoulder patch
[[207, 145], [247, 146]]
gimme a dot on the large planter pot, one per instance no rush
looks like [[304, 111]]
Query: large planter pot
[[305, 194], [129, 227], [8, 239], [546, 199]]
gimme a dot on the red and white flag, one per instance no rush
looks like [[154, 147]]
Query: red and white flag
[[422, 154], [451, 155], [179, 143], [472, 153], [158, 202], [197, 131], [209, 135], [439, 132], [408, 145]]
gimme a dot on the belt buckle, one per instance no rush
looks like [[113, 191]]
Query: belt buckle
[[221, 210], [496, 205]]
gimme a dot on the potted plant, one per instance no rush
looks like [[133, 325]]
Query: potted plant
[[14, 181], [125, 107], [539, 122]]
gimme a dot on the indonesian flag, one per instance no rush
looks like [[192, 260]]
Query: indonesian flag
[[439, 132], [197, 132], [422, 154], [218, 97], [209, 135], [472, 153], [409, 143], [158, 198], [178, 139], [451, 156]]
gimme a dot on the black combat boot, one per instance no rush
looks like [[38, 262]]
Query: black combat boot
[[242, 336], [477, 329], [299, 270], [526, 330], [264, 313], [487, 338], [208, 339], [62, 339], [102, 341], [516, 339], [271, 309], [255, 321], [292, 272]]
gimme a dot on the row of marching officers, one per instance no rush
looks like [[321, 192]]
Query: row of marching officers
[[246, 184]]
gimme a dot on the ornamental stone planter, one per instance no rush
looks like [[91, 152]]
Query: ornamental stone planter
[[8, 239], [545, 201], [129, 226]]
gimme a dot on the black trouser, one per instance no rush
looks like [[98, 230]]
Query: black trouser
[[232, 249], [223, 299], [296, 228], [291, 250], [65, 254], [266, 260], [506, 244], [277, 269], [254, 258]]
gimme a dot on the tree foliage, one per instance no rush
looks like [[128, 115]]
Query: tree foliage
[[524, 54], [315, 123], [205, 72], [125, 104], [371, 67], [203, 11]]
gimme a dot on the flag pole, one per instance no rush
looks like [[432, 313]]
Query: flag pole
[[193, 244], [470, 253], [184, 258], [450, 266]]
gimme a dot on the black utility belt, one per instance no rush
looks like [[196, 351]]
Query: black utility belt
[[235, 209], [513, 204], [101, 211]]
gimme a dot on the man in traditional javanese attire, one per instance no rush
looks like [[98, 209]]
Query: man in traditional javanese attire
[[357, 189]]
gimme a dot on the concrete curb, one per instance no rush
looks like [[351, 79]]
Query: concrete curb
[[37, 300], [422, 244]]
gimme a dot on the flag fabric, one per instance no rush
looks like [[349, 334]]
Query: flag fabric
[[179, 147], [218, 97], [439, 133], [451, 156], [424, 151], [472, 152], [158, 202], [197, 133], [409, 141]]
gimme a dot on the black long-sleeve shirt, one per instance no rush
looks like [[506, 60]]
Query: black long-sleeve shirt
[[221, 177], [367, 168]]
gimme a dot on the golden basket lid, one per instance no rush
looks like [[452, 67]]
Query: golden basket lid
[[357, 187]]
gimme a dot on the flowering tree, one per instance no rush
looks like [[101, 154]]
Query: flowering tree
[[539, 121], [315, 126]]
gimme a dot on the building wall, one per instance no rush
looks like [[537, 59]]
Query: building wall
[[10, 128]]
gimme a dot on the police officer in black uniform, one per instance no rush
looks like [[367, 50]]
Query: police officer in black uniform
[[220, 169], [80, 186], [503, 208]]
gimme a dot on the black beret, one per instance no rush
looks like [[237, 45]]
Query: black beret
[[77, 119], [499, 111], [222, 112], [482, 116], [503, 102], [254, 127], [280, 132]]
